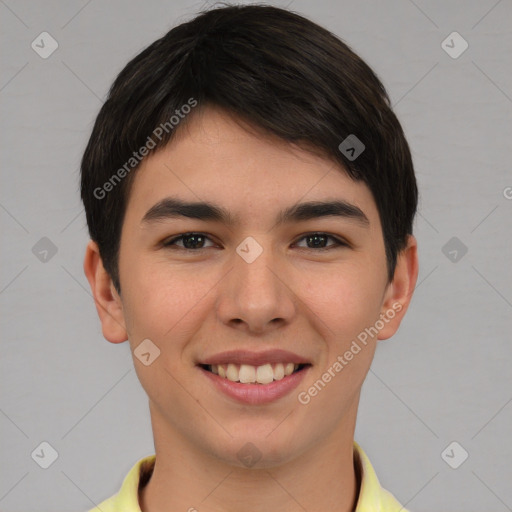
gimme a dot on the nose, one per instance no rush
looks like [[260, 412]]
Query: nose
[[255, 296]]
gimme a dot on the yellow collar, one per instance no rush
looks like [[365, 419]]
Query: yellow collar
[[372, 497]]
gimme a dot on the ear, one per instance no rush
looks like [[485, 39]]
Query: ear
[[399, 292], [108, 303]]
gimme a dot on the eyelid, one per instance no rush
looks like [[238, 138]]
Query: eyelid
[[168, 242], [339, 241]]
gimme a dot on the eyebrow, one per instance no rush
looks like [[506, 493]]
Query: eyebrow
[[173, 207]]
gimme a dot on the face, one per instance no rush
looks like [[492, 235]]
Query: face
[[253, 290]]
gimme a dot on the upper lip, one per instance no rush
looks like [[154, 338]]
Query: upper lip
[[240, 357]]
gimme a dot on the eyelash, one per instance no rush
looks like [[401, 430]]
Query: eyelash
[[338, 242]]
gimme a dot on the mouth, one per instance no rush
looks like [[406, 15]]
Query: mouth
[[249, 374], [254, 385]]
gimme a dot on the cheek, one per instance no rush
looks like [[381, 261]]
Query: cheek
[[345, 300], [159, 304], [168, 306], [159, 296]]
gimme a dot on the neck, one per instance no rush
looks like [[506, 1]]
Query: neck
[[324, 477]]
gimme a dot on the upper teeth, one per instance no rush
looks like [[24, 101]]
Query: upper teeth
[[247, 373]]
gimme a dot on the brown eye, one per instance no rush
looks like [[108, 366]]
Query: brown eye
[[195, 242], [191, 241], [317, 241]]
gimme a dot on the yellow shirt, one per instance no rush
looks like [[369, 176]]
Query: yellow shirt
[[372, 497]]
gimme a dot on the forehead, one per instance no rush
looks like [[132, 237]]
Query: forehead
[[218, 159]]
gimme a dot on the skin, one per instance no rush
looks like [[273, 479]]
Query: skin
[[293, 296]]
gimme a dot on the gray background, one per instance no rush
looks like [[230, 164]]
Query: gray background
[[444, 377]]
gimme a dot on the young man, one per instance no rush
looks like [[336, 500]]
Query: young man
[[250, 198]]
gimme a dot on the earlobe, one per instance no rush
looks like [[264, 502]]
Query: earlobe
[[399, 292], [108, 303]]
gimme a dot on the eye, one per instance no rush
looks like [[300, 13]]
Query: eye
[[318, 238], [192, 240]]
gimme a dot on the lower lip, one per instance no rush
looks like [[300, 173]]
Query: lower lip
[[255, 394]]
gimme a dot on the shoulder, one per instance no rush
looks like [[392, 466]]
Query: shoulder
[[127, 498], [109, 505], [372, 496]]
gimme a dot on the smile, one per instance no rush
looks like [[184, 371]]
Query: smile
[[254, 385], [249, 374]]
